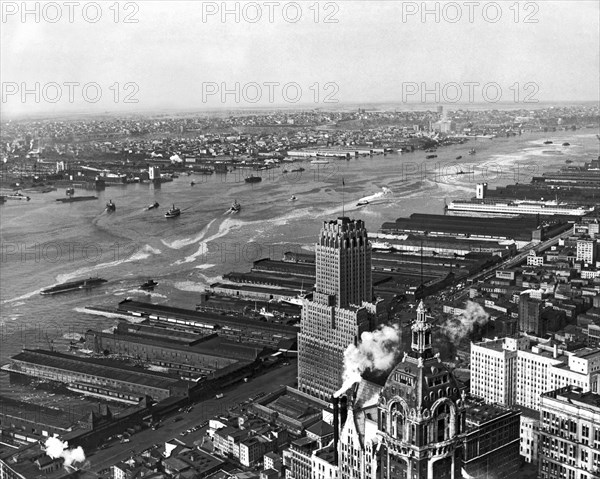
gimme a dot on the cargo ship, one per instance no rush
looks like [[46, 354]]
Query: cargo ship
[[73, 286], [73, 199]]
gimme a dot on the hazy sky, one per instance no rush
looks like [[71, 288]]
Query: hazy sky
[[182, 54]]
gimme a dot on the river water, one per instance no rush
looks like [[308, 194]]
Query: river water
[[45, 242]]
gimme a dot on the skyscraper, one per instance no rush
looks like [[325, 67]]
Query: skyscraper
[[340, 310], [413, 426]]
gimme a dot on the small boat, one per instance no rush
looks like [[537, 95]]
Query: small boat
[[253, 179], [459, 157], [173, 212], [110, 206], [362, 203], [153, 205], [320, 162], [18, 196], [235, 207], [547, 142], [566, 143], [284, 171], [192, 183], [295, 170], [150, 284], [568, 162], [429, 157], [293, 198], [70, 191], [461, 172], [472, 151]]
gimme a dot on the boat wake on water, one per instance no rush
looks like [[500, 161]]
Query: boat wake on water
[[224, 228], [145, 252]]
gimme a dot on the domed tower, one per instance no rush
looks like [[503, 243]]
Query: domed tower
[[421, 414]]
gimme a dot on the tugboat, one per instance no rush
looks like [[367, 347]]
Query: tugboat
[[110, 207], [253, 179], [153, 205], [235, 207], [472, 151], [173, 212], [150, 284], [18, 196]]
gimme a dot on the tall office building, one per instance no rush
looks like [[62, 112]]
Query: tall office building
[[511, 371], [569, 434], [341, 308]]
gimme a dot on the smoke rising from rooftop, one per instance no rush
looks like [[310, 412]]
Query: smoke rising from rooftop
[[457, 328], [56, 448], [376, 351]]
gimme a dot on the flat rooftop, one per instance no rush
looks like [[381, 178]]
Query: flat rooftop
[[95, 367], [480, 412], [206, 317]]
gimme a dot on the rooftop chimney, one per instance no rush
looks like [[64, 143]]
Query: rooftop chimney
[[336, 425]]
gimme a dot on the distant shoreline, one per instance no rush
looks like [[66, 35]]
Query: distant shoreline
[[249, 110]]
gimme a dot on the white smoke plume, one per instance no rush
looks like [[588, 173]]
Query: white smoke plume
[[376, 351], [457, 329], [56, 448]]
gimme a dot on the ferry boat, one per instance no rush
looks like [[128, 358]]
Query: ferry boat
[[518, 207], [150, 284], [173, 212], [72, 286], [253, 179], [235, 207], [319, 162], [18, 196], [153, 205], [110, 206], [381, 246]]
